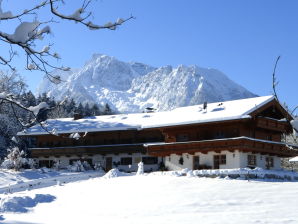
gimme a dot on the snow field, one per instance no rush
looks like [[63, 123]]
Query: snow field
[[163, 199], [12, 181]]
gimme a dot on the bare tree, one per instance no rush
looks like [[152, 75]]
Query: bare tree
[[294, 122]]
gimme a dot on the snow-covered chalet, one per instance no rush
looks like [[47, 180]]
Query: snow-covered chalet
[[231, 134]]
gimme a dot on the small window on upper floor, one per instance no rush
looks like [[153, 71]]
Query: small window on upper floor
[[219, 134], [182, 137], [235, 132], [32, 142]]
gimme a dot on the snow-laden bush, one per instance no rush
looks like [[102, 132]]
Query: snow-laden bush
[[79, 166], [140, 168], [57, 165], [98, 167], [87, 166], [115, 173], [16, 160]]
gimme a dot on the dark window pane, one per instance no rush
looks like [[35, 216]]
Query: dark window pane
[[223, 160], [126, 161], [149, 160]]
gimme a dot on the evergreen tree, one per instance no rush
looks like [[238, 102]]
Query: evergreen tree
[[87, 111], [70, 107], [80, 109], [95, 110], [28, 99], [107, 110]]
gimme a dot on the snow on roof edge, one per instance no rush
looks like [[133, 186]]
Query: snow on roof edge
[[295, 159], [270, 98], [22, 133]]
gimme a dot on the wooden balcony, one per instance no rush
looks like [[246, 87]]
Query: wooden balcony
[[273, 124], [243, 144], [87, 150]]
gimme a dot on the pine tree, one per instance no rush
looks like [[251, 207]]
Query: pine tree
[[71, 107], [95, 110], [28, 99], [80, 109], [107, 110], [87, 110]]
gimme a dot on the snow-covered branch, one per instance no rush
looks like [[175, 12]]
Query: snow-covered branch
[[29, 30], [27, 33], [9, 16], [80, 15]]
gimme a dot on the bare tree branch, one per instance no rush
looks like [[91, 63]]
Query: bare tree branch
[[274, 81], [274, 85]]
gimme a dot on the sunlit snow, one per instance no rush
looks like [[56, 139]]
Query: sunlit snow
[[156, 198]]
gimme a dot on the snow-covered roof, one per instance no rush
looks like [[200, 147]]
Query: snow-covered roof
[[220, 111], [295, 159]]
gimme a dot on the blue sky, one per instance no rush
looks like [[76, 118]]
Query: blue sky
[[240, 38]]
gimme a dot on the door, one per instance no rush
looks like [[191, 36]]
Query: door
[[109, 163], [196, 162], [216, 162]]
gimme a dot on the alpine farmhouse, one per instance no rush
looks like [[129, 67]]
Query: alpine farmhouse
[[232, 134]]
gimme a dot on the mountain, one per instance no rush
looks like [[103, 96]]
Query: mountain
[[132, 87]]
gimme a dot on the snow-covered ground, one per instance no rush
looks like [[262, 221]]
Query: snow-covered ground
[[155, 198], [14, 181]]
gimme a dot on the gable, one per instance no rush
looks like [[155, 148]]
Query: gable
[[273, 110]]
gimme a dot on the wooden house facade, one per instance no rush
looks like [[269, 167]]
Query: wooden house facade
[[231, 134]]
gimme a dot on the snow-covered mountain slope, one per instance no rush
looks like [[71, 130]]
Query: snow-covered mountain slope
[[131, 87]]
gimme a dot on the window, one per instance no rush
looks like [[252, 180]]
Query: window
[[72, 161], [251, 160], [181, 161], [219, 135], [150, 160], [32, 142], [223, 160], [46, 163], [126, 161], [235, 132], [219, 160], [269, 162], [182, 137], [196, 162], [137, 160]]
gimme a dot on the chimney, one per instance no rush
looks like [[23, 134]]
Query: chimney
[[77, 116], [205, 105]]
